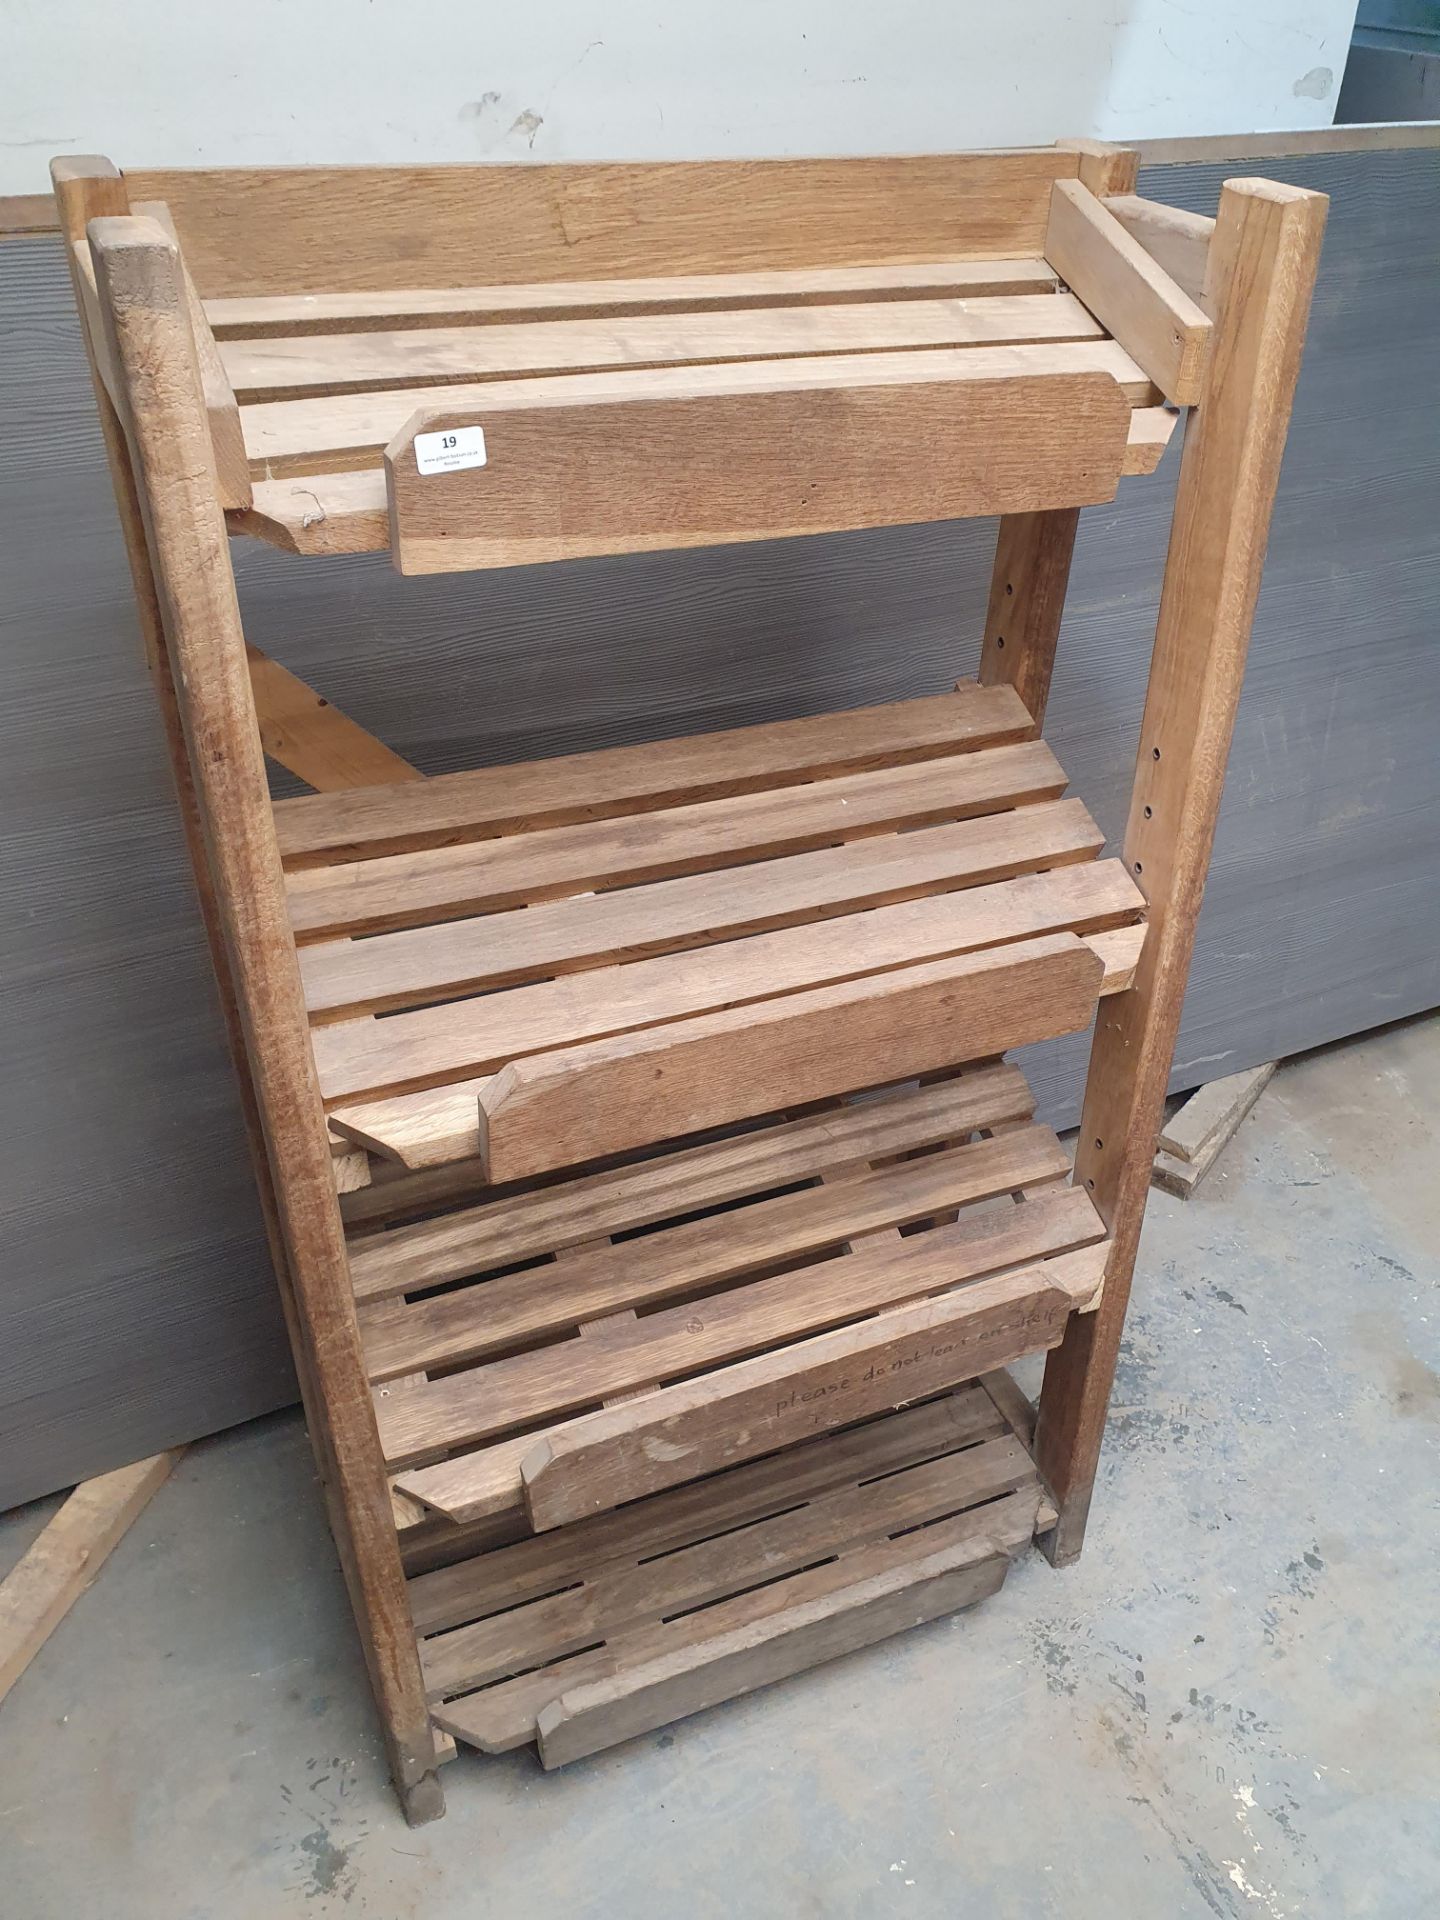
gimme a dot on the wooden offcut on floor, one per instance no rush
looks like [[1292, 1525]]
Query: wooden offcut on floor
[[65, 1559], [1197, 1133]]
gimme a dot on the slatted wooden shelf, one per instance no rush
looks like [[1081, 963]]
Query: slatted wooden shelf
[[321, 384], [494, 1329], [606, 1629], [653, 1204], [736, 921]]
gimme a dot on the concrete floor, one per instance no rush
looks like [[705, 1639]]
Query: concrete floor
[[1227, 1709]]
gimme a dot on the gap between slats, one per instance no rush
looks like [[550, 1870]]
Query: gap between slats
[[440, 883], [304, 365], [241, 317], [672, 1183], [504, 949], [468, 1038]]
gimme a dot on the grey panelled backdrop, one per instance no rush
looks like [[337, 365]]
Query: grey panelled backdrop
[[137, 1308]]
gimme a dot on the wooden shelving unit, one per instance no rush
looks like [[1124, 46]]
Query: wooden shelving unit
[[654, 1209]]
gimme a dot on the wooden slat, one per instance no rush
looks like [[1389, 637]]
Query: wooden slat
[[399, 890], [485, 1488], [353, 430], [539, 1564], [559, 936], [1151, 429], [282, 368], [1149, 315], [1119, 951], [489, 801], [1177, 240], [61, 1562], [465, 1326], [645, 472], [646, 1591], [343, 229], [324, 513], [351, 1167], [417, 1419], [1013, 1406], [466, 1038], [30, 213], [757, 1405], [227, 440], [398, 1193], [500, 1718], [604, 1096], [251, 317], [303, 732], [331, 513], [938, 1571], [550, 1219]]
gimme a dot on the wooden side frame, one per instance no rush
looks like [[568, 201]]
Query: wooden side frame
[[163, 467], [1262, 268]]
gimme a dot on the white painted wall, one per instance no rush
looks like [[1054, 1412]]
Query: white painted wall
[[186, 82]]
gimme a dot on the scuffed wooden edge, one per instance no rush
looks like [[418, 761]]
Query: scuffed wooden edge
[[1367, 137]]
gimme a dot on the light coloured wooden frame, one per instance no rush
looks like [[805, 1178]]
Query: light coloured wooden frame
[[1213, 314]]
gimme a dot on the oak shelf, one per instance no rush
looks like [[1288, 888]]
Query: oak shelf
[[654, 1208]]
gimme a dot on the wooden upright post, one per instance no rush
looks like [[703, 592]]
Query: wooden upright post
[[89, 188], [150, 345], [1027, 602], [1263, 261]]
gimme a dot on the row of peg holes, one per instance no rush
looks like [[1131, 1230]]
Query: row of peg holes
[[1000, 638], [1149, 815]]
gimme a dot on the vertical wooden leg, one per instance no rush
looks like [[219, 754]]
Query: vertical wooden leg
[[1265, 252], [138, 271], [88, 189], [1027, 600]]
